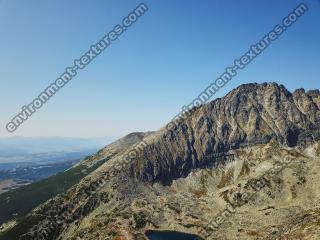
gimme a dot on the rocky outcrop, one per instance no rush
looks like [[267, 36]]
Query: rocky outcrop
[[116, 148], [249, 115], [184, 176]]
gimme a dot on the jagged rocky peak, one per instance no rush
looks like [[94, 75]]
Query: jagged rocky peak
[[308, 103], [126, 204], [250, 114]]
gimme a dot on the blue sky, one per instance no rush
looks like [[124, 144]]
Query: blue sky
[[161, 63]]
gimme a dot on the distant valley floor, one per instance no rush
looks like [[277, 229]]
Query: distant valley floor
[[10, 184]]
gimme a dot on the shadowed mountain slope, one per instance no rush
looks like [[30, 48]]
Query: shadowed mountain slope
[[177, 182]]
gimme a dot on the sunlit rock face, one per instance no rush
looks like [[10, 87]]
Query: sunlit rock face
[[249, 115], [181, 180]]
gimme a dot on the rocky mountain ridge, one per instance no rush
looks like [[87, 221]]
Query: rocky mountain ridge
[[249, 115], [260, 118]]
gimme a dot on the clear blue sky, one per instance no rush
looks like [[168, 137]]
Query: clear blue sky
[[144, 78]]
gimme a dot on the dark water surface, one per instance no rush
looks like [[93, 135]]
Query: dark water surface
[[169, 235]]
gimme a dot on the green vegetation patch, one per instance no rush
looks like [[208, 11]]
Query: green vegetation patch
[[17, 203]]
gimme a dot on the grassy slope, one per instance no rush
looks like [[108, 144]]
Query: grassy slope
[[19, 202]]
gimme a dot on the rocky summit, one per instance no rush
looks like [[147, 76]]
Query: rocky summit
[[245, 166]]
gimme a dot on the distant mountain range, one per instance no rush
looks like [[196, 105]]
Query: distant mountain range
[[49, 144], [34, 149]]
